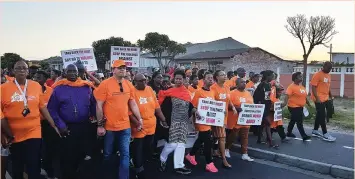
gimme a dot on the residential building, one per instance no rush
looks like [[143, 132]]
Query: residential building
[[342, 57]]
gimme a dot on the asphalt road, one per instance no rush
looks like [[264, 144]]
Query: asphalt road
[[340, 152], [258, 169]]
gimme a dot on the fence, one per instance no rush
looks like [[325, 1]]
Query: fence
[[342, 80]]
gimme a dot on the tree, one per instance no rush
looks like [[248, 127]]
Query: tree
[[174, 49], [44, 65], [102, 49], [156, 44], [9, 59], [317, 30]]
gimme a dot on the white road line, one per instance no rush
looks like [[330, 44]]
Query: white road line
[[347, 147], [297, 139]]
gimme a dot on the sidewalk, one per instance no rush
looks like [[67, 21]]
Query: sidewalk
[[340, 152]]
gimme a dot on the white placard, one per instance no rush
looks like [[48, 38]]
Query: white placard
[[252, 114], [129, 54], [278, 111], [211, 112], [305, 112], [85, 55]]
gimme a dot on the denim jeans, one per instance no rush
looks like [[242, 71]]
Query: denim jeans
[[122, 140]]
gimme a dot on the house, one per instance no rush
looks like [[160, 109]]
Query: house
[[226, 54], [55, 62], [342, 57], [148, 60]]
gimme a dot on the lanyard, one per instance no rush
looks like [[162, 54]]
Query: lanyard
[[23, 93]]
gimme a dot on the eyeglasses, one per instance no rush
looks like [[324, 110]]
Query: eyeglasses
[[20, 68], [121, 87]]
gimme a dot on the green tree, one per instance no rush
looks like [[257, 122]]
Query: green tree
[[156, 44], [318, 30], [44, 65], [102, 49], [9, 59], [174, 49]]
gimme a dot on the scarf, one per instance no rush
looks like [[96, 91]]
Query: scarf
[[78, 83], [177, 92]]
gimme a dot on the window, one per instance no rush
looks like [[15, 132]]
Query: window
[[212, 65]]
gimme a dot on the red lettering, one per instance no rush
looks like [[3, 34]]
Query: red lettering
[[210, 120], [204, 107], [256, 115], [128, 63], [250, 121]]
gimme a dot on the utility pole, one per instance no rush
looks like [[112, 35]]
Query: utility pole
[[330, 52]]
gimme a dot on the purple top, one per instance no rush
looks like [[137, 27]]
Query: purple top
[[70, 104]]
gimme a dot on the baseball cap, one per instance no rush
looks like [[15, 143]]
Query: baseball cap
[[118, 63]]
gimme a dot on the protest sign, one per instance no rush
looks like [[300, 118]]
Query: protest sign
[[85, 55], [211, 112], [252, 114], [278, 111], [129, 54]]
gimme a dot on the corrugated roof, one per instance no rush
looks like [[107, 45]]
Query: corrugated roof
[[213, 54]]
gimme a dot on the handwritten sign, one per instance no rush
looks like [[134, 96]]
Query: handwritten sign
[[85, 55], [278, 111], [211, 112], [252, 114], [129, 54]]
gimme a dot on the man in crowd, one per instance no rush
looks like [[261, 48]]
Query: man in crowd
[[71, 105], [321, 95], [54, 75], [115, 96]]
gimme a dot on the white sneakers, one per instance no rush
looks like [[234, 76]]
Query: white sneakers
[[228, 155], [326, 136], [247, 158]]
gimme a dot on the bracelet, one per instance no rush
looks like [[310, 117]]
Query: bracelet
[[101, 123]]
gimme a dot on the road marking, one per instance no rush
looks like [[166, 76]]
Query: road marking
[[297, 139], [347, 147]]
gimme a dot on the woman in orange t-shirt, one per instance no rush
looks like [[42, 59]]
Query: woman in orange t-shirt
[[276, 125], [296, 98], [204, 134], [148, 105], [237, 97], [22, 104], [193, 87], [222, 93]]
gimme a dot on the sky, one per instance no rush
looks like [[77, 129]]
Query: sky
[[39, 30]]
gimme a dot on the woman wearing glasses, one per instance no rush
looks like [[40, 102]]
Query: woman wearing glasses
[[148, 105], [21, 104]]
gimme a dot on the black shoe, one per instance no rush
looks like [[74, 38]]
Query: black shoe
[[162, 166], [183, 171], [307, 138], [226, 167], [291, 135]]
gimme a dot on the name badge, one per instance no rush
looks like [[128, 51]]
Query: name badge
[[143, 100], [222, 96], [325, 80], [242, 100]]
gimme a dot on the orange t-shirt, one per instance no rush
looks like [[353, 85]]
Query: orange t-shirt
[[273, 99], [201, 93], [250, 85], [115, 103], [12, 106], [297, 95], [237, 98], [147, 103], [200, 84], [322, 81], [192, 91], [222, 94], [232, 82], [46, 95], [9, 78]]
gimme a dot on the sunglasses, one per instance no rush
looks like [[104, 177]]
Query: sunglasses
[[121, 87]]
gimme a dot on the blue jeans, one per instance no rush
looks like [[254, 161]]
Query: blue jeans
[[122, 140]]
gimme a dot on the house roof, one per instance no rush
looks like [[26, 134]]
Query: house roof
[[342, 52], [214, 54], [221, 44], [226, 54]]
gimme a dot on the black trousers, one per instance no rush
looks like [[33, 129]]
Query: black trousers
[[141, 151], [73, 150], [281, 131], [296, 118], [321, 117], [26, 153], [50, 144], [205, 139]]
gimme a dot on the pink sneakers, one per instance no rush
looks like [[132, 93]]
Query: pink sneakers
[[211, 168], [191, 159]]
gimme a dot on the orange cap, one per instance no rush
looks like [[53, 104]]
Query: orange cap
[[118, 63]]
